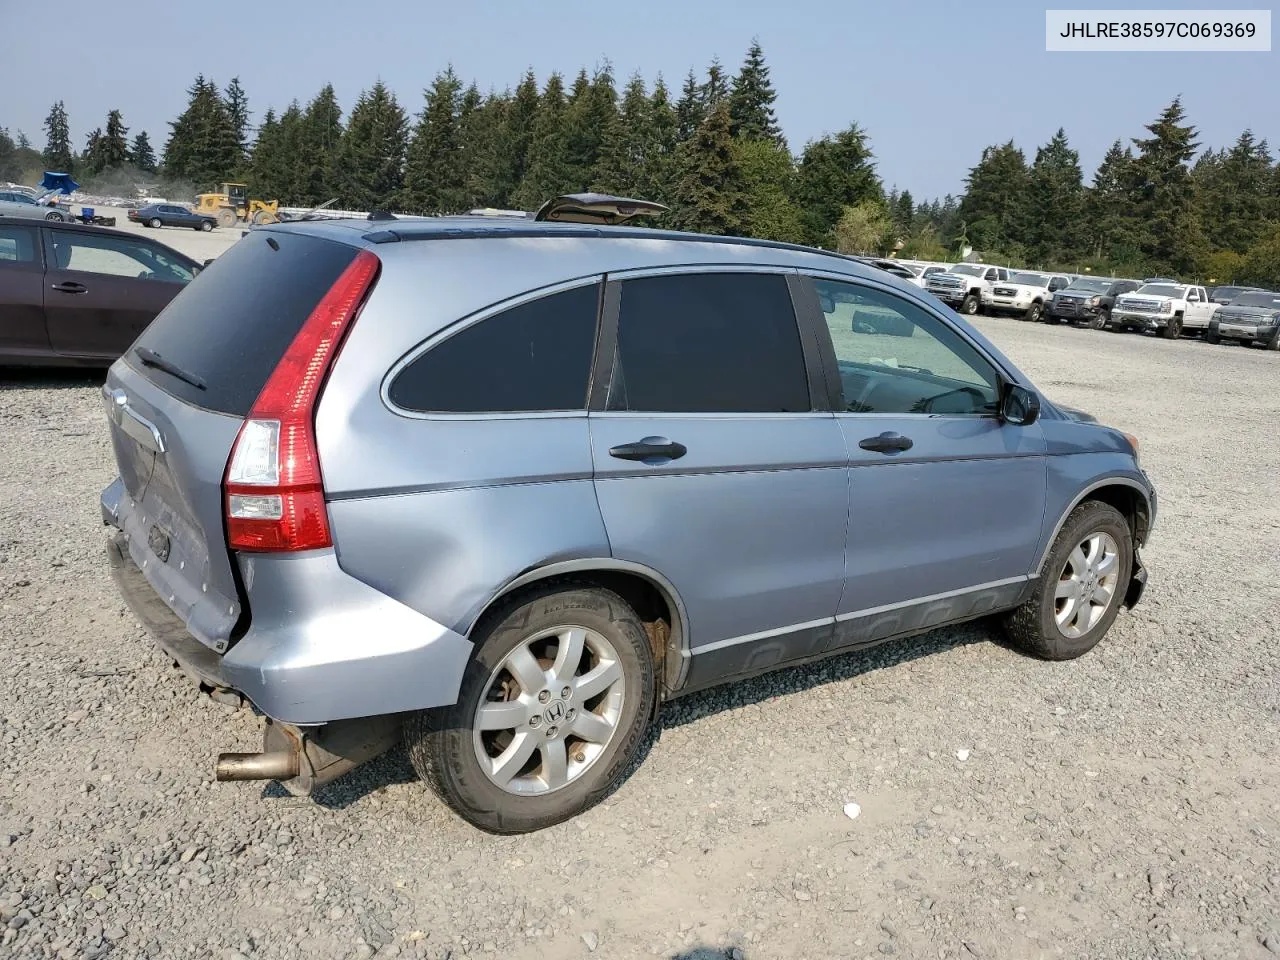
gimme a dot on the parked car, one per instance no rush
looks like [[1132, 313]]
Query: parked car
[[75, 295], [16, 204], [583, 476], [1024, 294], [1225, 295], [1164, 308], [966, 286], [1088, 300], [1251, 317], [171, 215]]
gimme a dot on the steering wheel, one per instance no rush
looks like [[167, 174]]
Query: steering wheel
[[979, 398]]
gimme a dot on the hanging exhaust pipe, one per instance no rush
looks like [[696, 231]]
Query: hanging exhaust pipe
[[275, 765]]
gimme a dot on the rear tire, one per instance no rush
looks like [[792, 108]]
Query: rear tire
[[206, 226], [517, 678], [969, 305], [1080, 588], [155, 223]]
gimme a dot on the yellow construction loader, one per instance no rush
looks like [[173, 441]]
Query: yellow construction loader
[[232, 205]]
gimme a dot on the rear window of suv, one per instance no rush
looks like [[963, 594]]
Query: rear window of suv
[[231, 325]]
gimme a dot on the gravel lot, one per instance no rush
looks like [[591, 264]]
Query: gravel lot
[[1124, 805]]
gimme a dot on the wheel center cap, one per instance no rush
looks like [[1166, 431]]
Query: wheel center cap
[[555, 712]]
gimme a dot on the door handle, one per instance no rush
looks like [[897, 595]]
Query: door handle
[[887, 442], [649, 450], [70, 286]]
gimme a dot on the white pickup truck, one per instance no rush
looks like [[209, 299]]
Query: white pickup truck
[[966, 286], [1169, 308], [1025, 294]]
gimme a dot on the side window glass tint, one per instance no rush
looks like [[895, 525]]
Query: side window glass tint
[[17, 244], [708, 343], [894, 357], [110, 256], [532, 357]]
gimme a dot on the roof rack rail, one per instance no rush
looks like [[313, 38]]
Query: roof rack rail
[[596, 208]]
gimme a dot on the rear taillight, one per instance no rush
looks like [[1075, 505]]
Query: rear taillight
[[273, 490]]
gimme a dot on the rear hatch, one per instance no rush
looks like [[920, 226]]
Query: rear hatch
[[177, 399]]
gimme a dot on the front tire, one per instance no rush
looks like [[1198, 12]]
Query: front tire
[[1173, 329], [969, 305], [55, 217], [553, 707], [1211, 336], [1100, 321], [1034, 312], [1080, 587], [1274, 342]]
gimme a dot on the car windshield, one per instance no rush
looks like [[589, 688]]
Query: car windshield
[[1090, 285], [1258, 298], [970, 269], [1162, 290], [1030, 279], [1225, 293]]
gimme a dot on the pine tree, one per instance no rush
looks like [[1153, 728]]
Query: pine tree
[[903, 212], [994, 207], [624, 154], [714, 89], [835, 172], [321, 134], [689, 112], [710, 197], [659, 178], [237, 104], [115, 143], [751, 99], [57, 151], [267, 176], [91, 159], [23, 142], [590, 114], [513, 139], [202, 146], [371, 156], [1232, 192], [1171, 235], [768, 178], [1055, 192], [8, 156], [482, 127], [434, 178], [1109, 209], [549, 173]]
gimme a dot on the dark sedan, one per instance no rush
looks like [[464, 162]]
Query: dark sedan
[[75, 295], [1251, 317], [171, 215]]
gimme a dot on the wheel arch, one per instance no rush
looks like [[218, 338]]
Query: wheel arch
[[653, 597], [1125, 494]]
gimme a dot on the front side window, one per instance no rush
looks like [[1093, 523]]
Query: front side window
[[115, 257], [533, 357], [708, 343], [894, 357]]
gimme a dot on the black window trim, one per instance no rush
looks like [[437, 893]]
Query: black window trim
[[817, 319], [479, 316], [607, 339]]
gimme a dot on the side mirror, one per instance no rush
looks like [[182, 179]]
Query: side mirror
[[1019, 406], [209, 261]]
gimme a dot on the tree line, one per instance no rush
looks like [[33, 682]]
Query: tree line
[[714, 153]]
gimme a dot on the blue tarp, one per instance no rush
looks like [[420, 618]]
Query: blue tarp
[[58, 183]]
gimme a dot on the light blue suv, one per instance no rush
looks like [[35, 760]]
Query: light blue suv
[[501, 486]]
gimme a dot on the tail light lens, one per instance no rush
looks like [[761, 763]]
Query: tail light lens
[[273, 489]]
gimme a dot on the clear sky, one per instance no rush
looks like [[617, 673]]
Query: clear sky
[[930, 82]]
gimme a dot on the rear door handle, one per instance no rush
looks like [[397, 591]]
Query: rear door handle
[[649, 450], [70, 286], [887, 442]]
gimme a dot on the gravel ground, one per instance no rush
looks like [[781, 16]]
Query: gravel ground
[[1124, 805]]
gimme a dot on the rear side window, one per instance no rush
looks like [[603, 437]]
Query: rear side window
[[231, 325], [708, 343], [532, 357], [17, 244]]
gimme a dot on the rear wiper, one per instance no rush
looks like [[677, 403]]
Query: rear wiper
[[152, 359]]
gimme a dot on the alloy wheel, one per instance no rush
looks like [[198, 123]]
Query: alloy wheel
[[549, 710], [1086, 585]]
